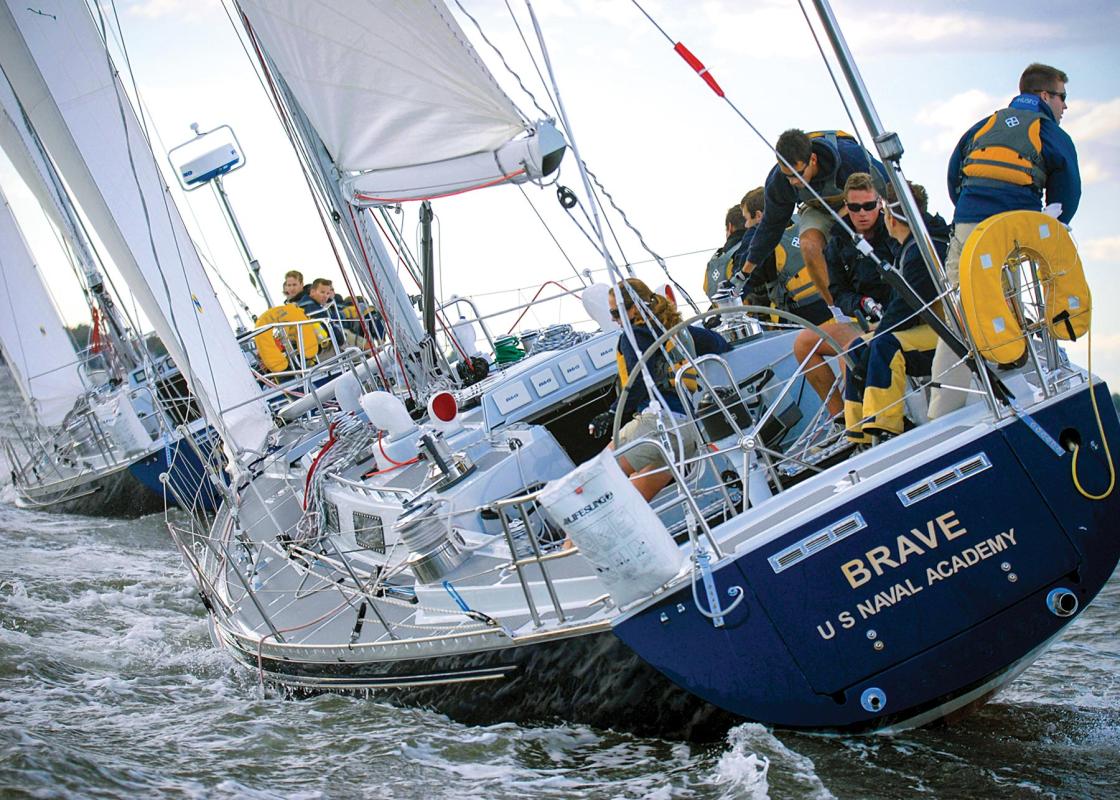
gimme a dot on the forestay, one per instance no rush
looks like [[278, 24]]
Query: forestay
[[35, 342], [399, 97], [57, 63]]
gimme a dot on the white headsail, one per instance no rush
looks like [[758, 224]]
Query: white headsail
[[400, 98], [35, 342], [58, 65]]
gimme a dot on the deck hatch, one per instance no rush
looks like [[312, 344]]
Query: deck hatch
[[817, 541], [947, 477]]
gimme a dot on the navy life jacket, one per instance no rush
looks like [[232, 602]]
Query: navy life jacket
[[829, 188], [719, 266]]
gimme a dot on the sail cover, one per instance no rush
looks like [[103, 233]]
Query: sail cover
[[399, 97], [57, 64], [36, 345]]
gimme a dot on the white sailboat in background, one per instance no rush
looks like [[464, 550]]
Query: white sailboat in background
[[81, 433], [89, 432], [87, 124]]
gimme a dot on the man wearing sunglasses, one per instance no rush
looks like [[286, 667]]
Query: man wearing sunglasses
[[1007, 161], [857, 286], [822, 160]]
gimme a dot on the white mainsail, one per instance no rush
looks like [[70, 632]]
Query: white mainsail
[[58, 65], [35, 342], [399, 97]]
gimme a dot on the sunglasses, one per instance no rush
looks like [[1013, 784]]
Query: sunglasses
[[1060, 95], [870, 205]]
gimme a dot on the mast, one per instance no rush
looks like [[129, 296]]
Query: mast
[[890, 150], [429, 269]]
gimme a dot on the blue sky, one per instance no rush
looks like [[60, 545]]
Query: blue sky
[[672, 154]]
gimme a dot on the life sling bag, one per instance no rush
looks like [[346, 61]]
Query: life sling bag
[[270, 349], [996, 246], [1006, 149]]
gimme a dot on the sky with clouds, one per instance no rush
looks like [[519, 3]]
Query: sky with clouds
[[671, 153]]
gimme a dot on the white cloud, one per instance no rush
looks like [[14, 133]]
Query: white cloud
[[1090, 120], [1092, 170], [949, 119], [906, 31], [1105, 248], [1106, 354]]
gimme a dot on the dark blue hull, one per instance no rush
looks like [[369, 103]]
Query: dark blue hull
[[924, 600], [184, 470]]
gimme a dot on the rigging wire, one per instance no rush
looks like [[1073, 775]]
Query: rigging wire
[[532, 59], [151, 132], [702, 71], [505, 64], [597, 183], [548, 230], [835, 83], [319, 200]]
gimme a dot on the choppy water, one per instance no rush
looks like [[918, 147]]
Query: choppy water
[[109, 687]]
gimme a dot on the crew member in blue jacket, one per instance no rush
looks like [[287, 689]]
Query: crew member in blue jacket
[[650, 315], [903, 344], [1007, 161], [823, 160]]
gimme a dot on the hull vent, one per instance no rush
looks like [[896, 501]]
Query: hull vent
[[950, 476], [815, 542]]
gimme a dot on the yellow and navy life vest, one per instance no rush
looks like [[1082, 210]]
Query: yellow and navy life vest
[[271, 351], [719, 267], [792, 286], [678, 357], [1006, 149]]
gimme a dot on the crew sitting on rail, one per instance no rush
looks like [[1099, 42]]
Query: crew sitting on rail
[[650, 315], [875, 388], [782, 280], [823, 160], [353, 309], [857, 288], [720, 265], [319, 304]]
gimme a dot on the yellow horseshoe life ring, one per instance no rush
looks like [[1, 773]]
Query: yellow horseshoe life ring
[[271, 351], [1005, 238]]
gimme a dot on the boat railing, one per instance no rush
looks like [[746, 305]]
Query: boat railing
[[298, 361], [524, 523], [511, 315]]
